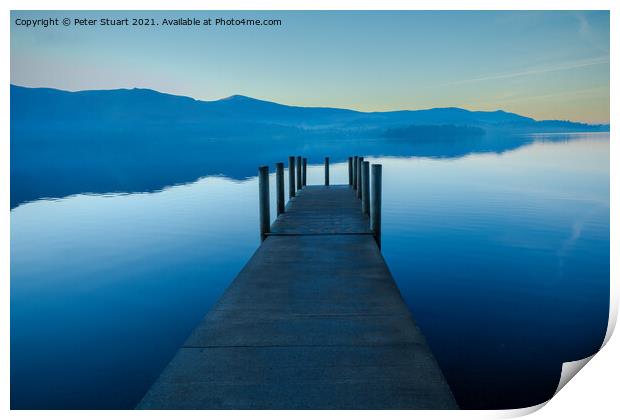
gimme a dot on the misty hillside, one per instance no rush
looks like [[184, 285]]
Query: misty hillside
[[233, 115], [122, 140]]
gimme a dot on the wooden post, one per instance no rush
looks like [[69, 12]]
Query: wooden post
[[365, 187], [291, 177], [350, 162], [280, 187], [304, 171], [298, 167], [354, 172], [359, 176], [263, 200], [326, 171], [375, 204]]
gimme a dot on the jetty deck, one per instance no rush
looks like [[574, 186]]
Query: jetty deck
[[313, 321]]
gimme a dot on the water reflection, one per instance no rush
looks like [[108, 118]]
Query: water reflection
[[502, 258], [51, 164]]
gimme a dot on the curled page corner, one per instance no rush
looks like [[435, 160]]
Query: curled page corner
[[518, 412], [569, 370], [613, 317]]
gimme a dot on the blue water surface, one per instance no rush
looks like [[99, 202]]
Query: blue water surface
[[503, 259]]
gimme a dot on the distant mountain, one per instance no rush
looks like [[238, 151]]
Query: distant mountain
[[233, 115], [130, 140]]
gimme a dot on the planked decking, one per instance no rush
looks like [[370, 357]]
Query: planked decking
[[323, 210], [313, 321]]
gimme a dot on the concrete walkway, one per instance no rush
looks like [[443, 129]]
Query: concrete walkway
[[313, 321]]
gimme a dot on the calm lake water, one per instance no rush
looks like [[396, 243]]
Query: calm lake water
[[502, 258]]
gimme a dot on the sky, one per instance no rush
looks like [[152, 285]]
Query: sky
[[546, 65]]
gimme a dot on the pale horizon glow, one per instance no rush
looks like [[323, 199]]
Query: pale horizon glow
[[544, 65]]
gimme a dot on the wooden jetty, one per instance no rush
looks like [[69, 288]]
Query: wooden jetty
[[314, 320]]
